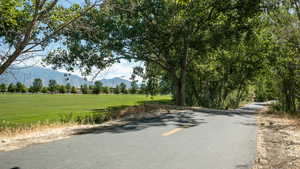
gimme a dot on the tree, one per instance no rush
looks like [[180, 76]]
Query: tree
[[223, 79], [74, 90], [62, 89], [282, 21], [125, 91], [44, 90], [3, 88], [106, 90], [37, 85], [30, 90], [68, 88], [143, 89], [91, 88], [165, 86], [168, 34], [52, 86], [11, 88], [97, 87], [23, 22], [84, 89], [116, 90], [123, 88], [134, 87], [20, 88]]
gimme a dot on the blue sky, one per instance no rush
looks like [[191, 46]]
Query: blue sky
[[68, 3]]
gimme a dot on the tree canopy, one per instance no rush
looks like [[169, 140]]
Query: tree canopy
[[213, 53], [29, 26], [166, 34]]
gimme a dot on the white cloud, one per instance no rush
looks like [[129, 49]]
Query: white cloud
[[122, 70]]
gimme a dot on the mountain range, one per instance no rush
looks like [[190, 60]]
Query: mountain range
[[27, 76]]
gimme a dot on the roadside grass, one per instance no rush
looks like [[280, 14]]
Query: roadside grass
[[26, 111], [275, 109]]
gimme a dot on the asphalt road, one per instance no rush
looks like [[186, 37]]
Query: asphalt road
[[189, 139]]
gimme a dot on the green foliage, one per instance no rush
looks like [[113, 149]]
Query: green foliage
[[37, 85], [227, 73], [73, 90], [106, 90], [265, 89], [208, 53], [143, 89], [30, 90], [282, 71], [12, 18], [125, 91], [166, 35], [97, 87], [28, 26], [20, 88], [122, 87], [62, 89], [91, 87], [117, 90], [3, 88], [84, 89], [134, 87], [68, 88], [44, 90], [52, 86], [11, 88]]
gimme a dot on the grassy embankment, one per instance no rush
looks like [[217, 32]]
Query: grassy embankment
[[23, 110]]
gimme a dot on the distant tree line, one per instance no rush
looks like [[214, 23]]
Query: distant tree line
[[54, 88]]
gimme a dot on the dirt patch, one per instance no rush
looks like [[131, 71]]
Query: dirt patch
[[44, 134], [278, 142]]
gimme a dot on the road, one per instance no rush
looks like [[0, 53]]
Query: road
[[189, 139]]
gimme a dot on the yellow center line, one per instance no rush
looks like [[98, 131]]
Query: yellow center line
[[172, 132]]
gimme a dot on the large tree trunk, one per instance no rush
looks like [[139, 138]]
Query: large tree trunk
[[180, 83], [180, 92]]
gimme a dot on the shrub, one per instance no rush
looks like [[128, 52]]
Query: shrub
[[97, 87], [73, 90], [20, 88], [45, 90], [2, 88], [84, 89], [37, 85], [62, 89], [52, 87], [11, 88]]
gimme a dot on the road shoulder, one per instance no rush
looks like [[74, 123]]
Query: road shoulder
[[278, 142]]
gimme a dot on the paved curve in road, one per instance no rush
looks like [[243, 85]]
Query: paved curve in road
[[189, 139]]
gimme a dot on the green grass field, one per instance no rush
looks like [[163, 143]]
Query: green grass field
[[32, 108]]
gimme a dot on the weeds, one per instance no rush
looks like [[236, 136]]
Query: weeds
[[276, 108]]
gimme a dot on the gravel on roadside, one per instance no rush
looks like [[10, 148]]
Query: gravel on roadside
[[278, 142]]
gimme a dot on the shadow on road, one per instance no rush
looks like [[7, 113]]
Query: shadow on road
[[242, 166], [246, 112], [184, 119]]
